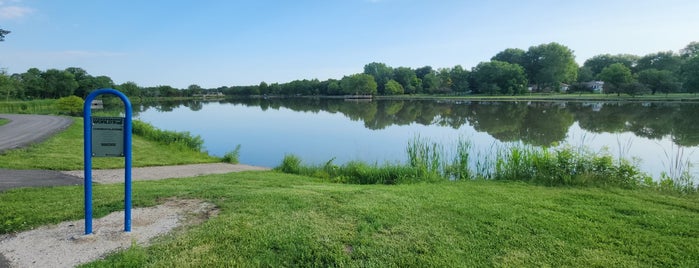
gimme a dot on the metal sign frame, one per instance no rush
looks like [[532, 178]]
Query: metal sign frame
[[87, 119]]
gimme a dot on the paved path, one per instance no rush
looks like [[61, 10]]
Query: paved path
[[25, 129]]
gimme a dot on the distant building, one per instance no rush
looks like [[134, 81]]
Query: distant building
[[595, 86]]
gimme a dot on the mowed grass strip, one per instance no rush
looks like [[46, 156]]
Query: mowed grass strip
[[64, 151], [274, 219]]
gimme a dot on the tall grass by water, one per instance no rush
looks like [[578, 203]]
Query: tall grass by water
[[28, 107], [186, 139], [430, 161]]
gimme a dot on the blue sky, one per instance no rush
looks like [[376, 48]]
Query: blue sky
[[224, 43]]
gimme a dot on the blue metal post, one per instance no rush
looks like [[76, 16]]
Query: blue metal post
[[87, 119]]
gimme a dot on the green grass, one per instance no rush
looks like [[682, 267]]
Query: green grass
[[47, 106], [4, 121], [273, 219], [65, 152]]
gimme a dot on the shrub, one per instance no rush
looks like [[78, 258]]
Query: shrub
[[71, 105], [232, 156]]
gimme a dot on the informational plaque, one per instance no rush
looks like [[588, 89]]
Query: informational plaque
[[107, 136]]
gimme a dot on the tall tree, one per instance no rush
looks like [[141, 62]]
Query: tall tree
[[616, 77], [130, 88], [459, 79], [499, 77], [405, 76], [381, 74], [359, 84], [548, 65], [659, 80], [511, 55], [660, 61], [59, 83], [690, 72], [599, 62], [690, 51], [34, 83]]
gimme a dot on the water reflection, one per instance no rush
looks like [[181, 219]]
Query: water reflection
[[536, 123]]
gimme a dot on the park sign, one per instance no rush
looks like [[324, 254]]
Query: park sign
[[107, 136]]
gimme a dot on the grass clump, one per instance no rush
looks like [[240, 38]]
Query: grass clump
[[4, 121], [232, 157], [186, 139]]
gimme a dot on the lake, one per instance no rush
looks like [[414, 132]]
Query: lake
[[657, 134]]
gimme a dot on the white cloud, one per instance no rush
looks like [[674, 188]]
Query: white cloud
[[14, 12]]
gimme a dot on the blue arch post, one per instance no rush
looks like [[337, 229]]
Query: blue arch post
[[87, 119]]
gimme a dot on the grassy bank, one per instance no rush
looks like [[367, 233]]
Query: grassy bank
[[65, 152], [561, 166], [274, 219]]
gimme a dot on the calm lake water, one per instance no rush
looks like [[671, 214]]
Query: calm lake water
[[318, 130]]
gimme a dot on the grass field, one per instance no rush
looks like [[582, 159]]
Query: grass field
[[65, 152], [272, 219]]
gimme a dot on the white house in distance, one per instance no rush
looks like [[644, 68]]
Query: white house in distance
[[595, 86]]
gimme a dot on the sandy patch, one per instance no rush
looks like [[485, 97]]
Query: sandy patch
[[65, 245]]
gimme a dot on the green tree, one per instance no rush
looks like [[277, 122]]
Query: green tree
[[130, 89], [381, 74], [195, 89], [393, 88], [690, 73], [498, 77], [659, 80], [359, 84], [511, 55], [405, 76], [585, 74], [264, 88], [549, 65], [690, 51], [431, 83], [8, 85], [59, 83], [615, 77], [34, 83], [599, 62], [660, 61], [459, 79]]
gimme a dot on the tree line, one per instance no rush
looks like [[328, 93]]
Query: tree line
[[543, 68]]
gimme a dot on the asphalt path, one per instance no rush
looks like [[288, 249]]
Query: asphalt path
[[24, 130]]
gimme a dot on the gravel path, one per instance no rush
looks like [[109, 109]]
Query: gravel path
[[25, 129], [157, 173]]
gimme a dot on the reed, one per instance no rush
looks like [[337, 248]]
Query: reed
[[430, 161], [185, 139]]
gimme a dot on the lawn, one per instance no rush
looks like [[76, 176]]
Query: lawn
[[274, 219], [65, 152]]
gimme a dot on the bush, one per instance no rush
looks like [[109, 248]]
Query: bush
[[232, 156], [71, 105]]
